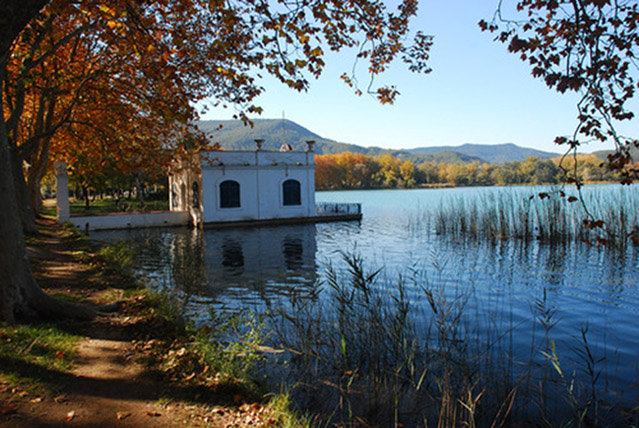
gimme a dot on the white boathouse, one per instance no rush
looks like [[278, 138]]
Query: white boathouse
[[229, 187]]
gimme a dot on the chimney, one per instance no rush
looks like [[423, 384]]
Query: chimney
[[310, 144]]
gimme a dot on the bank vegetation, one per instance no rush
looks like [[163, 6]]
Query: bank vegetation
[[359, 171]]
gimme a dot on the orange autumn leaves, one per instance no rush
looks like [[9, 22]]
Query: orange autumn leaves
[[359, 171]]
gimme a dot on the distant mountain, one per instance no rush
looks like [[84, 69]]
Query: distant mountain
[[634, 152], [445, 156], [235, 135], [492, 153]]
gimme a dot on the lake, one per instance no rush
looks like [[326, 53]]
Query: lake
[[523, 301]]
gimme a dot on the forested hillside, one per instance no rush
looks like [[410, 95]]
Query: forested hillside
[[235, 135], [492, 153]]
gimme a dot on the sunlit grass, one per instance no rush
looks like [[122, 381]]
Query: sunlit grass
[[32, 355], [111, 205]]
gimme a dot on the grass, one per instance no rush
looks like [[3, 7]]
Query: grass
[[31, 356], [118, 258], [109, 205]]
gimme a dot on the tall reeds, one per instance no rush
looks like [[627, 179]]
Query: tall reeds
[[549, 215], [412, 352]]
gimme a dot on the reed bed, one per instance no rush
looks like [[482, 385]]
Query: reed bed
[[604, 216]]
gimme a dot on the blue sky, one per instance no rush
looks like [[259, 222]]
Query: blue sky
[[477, 93]]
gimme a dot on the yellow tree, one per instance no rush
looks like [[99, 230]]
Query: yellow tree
[[328, 174], [407, 172], [389, 170]]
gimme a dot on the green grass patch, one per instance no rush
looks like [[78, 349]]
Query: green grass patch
[[110, 205], [32, 356], [282, 414], [118, 258]]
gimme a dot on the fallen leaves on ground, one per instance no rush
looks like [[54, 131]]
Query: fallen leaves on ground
[[254, 414], [8, 409], [122, 415]]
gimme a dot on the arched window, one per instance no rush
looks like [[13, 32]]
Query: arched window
[[196, 195], [229, 194], [291, 192]]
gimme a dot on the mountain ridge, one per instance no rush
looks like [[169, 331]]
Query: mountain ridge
[[235, 135]]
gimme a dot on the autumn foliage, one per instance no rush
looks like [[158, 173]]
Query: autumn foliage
[[358, 171]]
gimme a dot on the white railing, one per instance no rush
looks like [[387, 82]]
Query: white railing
[[327, 208]]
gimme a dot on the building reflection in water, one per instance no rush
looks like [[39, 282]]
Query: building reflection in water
[[266, 259], [293, 250], [241, 265], [232, 257]]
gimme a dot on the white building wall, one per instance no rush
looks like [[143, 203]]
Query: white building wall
[[211, 180], [260, 175], [130, 221], [271, 195]]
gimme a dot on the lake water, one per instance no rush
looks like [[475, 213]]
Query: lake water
[[508, 283]]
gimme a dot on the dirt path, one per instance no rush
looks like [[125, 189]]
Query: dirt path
[[105, 390], [106, 387]]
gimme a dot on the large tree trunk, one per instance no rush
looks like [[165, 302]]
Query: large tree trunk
[[20, 295], [23, 199], [19, 292], [37, 171], [38, 158]]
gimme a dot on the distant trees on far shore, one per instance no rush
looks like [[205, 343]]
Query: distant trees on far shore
[[359, 171]]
